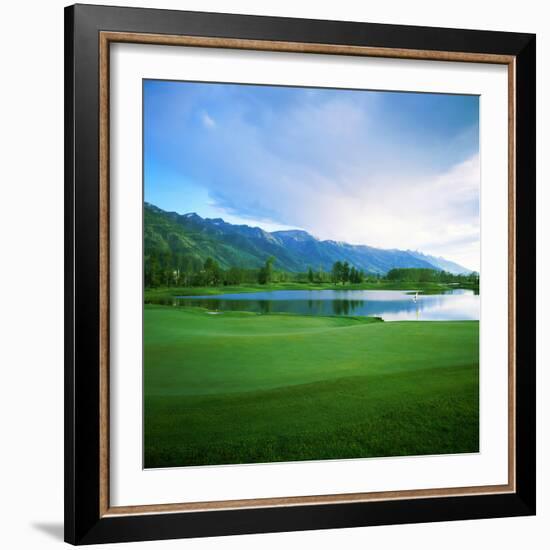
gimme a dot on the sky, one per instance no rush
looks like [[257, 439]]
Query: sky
[[386, 169]]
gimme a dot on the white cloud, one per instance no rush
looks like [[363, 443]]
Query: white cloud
[[207, 120], [437, 214], [327, 168]]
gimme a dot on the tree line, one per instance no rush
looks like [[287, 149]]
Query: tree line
[[426, 275], [166, 269], [343, 272], [184, 270]]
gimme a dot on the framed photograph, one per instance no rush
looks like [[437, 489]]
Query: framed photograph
[[300, 274]]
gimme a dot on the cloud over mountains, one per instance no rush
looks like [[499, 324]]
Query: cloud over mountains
[[393, 170]]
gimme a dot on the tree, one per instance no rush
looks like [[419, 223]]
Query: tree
[[356, 276], [345, 273], [310, 276], [337, 268], [212, 272], [152, 271], [234, 276], [265, 275], [321, 274]]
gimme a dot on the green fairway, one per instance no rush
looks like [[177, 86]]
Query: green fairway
[[243, 388]]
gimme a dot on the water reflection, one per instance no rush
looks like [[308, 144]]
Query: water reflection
[[390, 305]]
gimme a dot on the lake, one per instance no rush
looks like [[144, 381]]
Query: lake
[[390, 305]]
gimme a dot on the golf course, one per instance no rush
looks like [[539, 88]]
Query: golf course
[[241, 387], [310, 274]]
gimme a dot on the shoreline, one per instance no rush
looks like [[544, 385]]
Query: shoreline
[[152, 294]]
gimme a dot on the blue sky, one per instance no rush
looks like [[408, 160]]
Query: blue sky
[[387, 169]]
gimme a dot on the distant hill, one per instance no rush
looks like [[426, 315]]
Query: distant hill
[[442, 263], [244, 246]]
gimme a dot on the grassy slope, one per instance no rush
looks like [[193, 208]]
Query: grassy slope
[[239, 387]]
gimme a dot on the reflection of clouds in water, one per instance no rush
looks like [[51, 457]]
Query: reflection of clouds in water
[[469, 308], [376, 295], [316, 295], [390, 305], [404, 308], [439, 308]]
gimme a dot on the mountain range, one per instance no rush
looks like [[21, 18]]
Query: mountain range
[[294, 250]]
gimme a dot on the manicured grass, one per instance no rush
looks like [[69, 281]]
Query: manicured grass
[[244, 388]]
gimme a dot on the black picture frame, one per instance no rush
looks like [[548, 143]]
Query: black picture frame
[[84, 523]]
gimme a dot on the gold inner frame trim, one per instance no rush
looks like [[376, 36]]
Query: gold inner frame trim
[[105, 39]]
